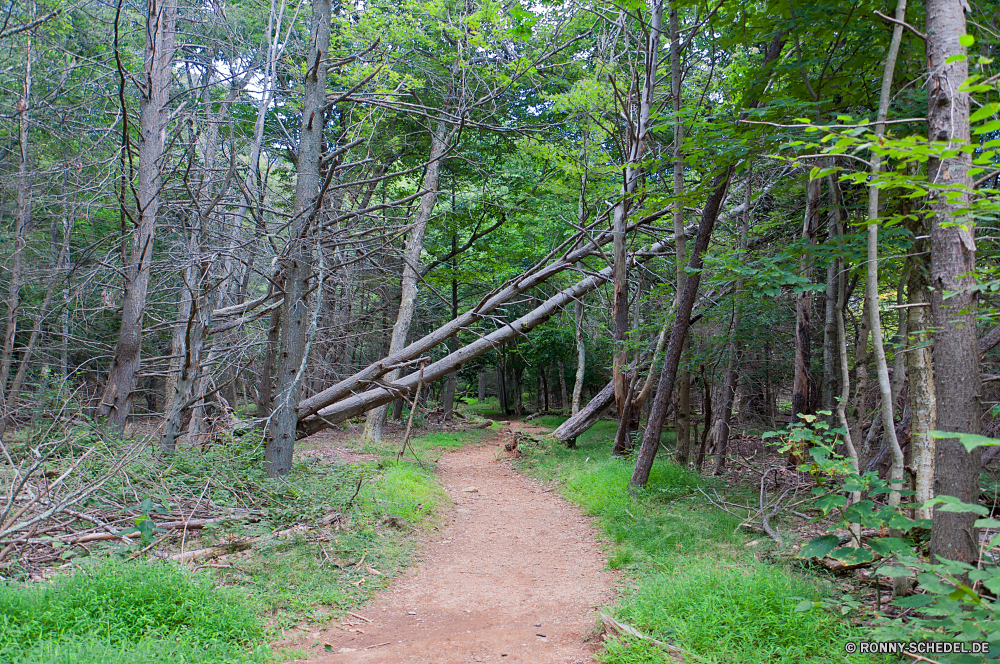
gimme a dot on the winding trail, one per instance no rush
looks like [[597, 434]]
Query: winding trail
[[514, 575]]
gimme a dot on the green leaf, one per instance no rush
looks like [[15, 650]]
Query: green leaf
[[966, 40], [958, 57], [888, 546], [819, 547], [914, 601], [953, 504], [828, 503], [970, 440], [852, 556], [987, 523], [804, 605]]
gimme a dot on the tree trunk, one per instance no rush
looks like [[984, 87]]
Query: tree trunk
[[871, 284], [22, 220], [682, 448], [722, 430], [631, 173], [801, 388], [563, 402], [581, 356], [265, 388], [440, 138], [587, 416], [154, 97], [679, 332], [482, 387], [366, 401], [298, 266], [953, 262], [920, 374], [518, 286]]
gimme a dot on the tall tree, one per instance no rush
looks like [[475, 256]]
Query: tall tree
[[154, 98], [953, 261], [298, 266]]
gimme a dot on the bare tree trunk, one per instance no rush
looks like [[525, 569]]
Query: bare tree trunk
[[801, 389], [638, 135], [845, 384], [154, 96], [266, 386], [581, 356], [679, 332], [587, 416], [923, 405], [953, 262], [360, 403], [871, 284], [522, 284], [22, 220], [451, 384], [440, 138], [295, 327], [563, 400], [861, 380], [683, 433], [722, 430]]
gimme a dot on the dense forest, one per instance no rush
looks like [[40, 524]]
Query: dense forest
[[252, 221]]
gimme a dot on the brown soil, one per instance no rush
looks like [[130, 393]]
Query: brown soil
[[515, 575]]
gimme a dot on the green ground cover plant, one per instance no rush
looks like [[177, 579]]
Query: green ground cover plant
[[113, 612]]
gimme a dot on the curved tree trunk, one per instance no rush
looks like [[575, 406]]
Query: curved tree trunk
[[154, 96]]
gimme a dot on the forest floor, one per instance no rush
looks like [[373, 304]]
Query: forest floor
[[515, 574]]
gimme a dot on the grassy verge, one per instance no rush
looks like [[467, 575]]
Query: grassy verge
[[129, 611], [692, 581]]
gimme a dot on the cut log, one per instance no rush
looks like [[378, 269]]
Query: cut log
[[587, 416]]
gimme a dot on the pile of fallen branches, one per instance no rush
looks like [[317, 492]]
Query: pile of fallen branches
[[72, 485], [780, 490]]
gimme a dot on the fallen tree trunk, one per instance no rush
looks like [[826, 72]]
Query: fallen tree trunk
[[360, 403], [366, 377], [587, 416]]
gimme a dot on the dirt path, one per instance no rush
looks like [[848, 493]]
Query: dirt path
[[514, 576]]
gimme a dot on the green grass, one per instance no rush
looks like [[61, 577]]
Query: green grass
[[128, 613], [692, 582]]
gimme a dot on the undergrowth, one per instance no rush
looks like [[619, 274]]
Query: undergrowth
[[128, 613], [692, 581], [113, 610]]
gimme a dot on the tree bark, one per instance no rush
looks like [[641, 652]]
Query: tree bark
[[638, 135], [802, 386], [722, 429], [920, 374], [440, 138], [682, 449], [298, 268], [587, 416], [679, 332], [581, 356], [563, 401], [871, 283], [154, 97], [953, 261], [22, 220]]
